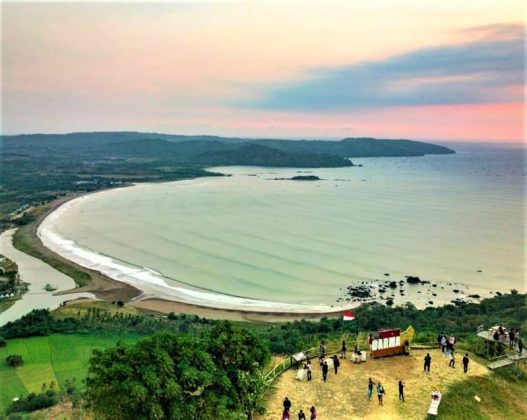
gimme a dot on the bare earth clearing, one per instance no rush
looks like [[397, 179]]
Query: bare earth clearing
[[344, 396]]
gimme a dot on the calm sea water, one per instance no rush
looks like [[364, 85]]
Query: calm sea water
[[442, 218]]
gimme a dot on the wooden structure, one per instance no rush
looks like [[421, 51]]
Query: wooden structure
[[499, 352], [392, 342]]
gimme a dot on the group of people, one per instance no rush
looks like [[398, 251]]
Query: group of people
[[513, 337], [446, 344], [451, 363], [286, 414]]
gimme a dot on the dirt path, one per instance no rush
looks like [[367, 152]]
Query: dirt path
[[344, 396]]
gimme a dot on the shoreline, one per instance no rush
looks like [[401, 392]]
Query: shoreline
[[145, 288]]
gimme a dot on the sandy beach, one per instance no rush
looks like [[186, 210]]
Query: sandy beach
[[152, 284]]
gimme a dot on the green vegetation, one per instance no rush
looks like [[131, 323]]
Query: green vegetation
[[503, 395], [33, 401], [55, 358], [35, 169], [171, 376], [14, 360], [463, 320], [11, 287], [59, 345]]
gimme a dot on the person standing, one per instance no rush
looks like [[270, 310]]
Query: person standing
[[309, 370], [287, 405], [439, 339], [336, 364], [401, 391], [380, 393], [520, 346], [370, 340], [428, 362], [343, 350], [452, 362], [443, 344], [370, 387], [313, 412], [325, 369], [321, 350], [465, 362], [301, 415]]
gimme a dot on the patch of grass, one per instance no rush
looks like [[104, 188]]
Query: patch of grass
[[55, 358], [502, 396]]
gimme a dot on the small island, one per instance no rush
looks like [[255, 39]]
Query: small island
[[305, 178]]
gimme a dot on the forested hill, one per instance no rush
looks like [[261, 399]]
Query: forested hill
[[233, 151]]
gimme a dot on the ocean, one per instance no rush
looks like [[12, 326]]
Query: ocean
[[457, 221]]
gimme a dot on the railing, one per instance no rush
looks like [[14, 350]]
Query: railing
[[287, 363]]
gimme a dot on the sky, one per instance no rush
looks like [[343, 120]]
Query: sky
[[427, 70]]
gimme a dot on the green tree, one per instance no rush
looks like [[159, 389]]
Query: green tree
[[242, 357], [14, 360], [161, 377]]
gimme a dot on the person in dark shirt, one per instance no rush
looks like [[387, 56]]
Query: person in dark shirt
[[287, 404], [301, 415], [336, 364], [325, 369], [465, 362], [428, 362], [343, 350], [401, 391], [370, 387], [313, 412]]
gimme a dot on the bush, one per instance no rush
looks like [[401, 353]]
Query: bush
[[14, 360], [34, 402], [3, 342]]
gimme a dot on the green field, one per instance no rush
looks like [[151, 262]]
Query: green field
[[55, 358]]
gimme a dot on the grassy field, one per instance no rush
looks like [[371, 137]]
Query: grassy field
[[52, 358]]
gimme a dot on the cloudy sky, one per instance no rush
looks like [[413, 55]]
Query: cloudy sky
[[432, 70]]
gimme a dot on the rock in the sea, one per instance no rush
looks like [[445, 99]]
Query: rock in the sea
[[499, 293], [393, 284], [474, 296], [431, 302], [386, 274], [389, 302], [413, 279], [455, 290]]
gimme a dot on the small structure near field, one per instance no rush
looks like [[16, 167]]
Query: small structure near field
[[392, 342]]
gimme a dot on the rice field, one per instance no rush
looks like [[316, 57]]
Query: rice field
[[56, 358]]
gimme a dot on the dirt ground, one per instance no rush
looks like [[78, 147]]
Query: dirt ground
[[344, 396]]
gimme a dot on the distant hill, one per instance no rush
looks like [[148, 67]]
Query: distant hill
[[217, 150]]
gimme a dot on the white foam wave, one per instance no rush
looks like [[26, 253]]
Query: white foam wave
[[151, 282]]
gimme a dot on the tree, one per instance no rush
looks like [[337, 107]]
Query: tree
[[242, 356], [14, 360], [160, 377]]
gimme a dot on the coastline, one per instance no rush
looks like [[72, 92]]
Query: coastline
[[113, 280]]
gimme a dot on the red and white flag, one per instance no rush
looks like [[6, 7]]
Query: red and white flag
[[348, 316]]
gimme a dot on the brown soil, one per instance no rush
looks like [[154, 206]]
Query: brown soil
[[344, 396], [166, 306]]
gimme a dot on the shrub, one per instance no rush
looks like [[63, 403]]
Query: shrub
[[34, 402], [3, 342], [14, 360]]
